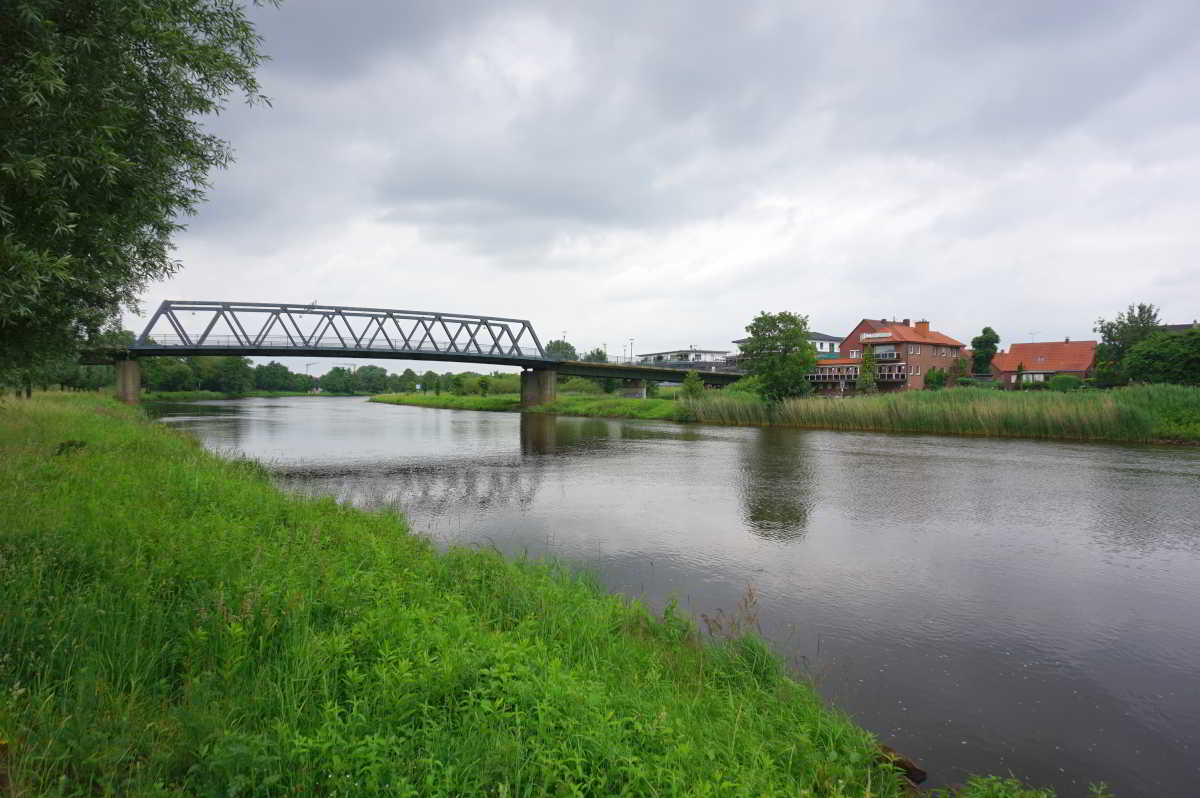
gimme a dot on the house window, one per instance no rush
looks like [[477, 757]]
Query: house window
[[854, 353], [914, 349], [914, 369]]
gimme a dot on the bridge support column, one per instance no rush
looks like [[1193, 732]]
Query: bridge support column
[[633, 389], [538, 387], [129, 381]]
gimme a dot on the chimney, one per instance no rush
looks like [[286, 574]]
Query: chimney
[[883, 321], [908, 322], [923, 326], [1067, 340]]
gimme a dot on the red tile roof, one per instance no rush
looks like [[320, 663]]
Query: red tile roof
[[1048, 356], [905, 334]]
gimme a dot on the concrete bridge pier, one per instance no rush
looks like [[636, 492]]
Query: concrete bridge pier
[[538, 386], [633, 389], [129, 381]]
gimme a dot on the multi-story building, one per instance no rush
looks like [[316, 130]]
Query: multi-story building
[[904, 353], [1038, 362]]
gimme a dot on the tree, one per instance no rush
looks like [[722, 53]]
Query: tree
[[1117, 337], [102, 153], [693, 386], [370, 379], [485, 383], [1019, 379], [868, 378], [596, 355], [1165, 357], [272, 377], [337, 380], [428, 381], [561, 350], [935, 379], [779, 353], [984, 345], [233, 375]]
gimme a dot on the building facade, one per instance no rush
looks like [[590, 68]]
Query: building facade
[[691, 358], [904, 353]]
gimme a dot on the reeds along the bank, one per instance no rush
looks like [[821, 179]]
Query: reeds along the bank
[[1132, 414]]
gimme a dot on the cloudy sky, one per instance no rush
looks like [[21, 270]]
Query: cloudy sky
[[664, 171]]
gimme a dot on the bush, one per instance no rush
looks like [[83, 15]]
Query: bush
[[747, 386], [693, 386], [1033, 386], [1065, 383]]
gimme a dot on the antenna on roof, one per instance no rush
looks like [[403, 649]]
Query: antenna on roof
[[1032, 335]]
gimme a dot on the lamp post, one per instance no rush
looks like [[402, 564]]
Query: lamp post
[[631, 351]]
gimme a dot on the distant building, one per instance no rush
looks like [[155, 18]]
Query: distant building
[[826, 346], [1178, 328], [1039, 362], [691, 358], [904, 353]]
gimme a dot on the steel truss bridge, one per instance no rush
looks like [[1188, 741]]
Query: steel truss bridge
[[186, 328]]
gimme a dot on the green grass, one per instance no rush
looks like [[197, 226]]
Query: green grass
[[602, 405], [174, 625], [503, 401], [1135, 414]]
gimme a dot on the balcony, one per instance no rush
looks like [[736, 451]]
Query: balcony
[[886, 355]]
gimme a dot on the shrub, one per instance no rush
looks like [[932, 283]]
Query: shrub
[[693, 387], [1064, 383]]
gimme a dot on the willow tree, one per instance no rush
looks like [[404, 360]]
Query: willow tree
[[102, 152]]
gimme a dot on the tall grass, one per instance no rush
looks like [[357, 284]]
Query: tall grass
[[1136, 414], [172, 624]]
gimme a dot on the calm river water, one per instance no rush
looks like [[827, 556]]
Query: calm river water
[[986, 606]]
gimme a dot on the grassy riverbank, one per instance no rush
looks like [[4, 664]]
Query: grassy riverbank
[[595, 405], [175, 625], [1139, 414]]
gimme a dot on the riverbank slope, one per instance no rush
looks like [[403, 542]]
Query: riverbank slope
[[1138, 414], [175, 625]]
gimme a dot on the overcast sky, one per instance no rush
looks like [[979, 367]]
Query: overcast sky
[[664, 171]]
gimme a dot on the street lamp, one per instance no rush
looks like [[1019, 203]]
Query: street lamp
[[631, 350]]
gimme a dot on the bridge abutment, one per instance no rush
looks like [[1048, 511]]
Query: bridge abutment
[[129, 381], [538, 386]]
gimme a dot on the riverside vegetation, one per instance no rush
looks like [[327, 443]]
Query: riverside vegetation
[[1136, 414], [174, 624]]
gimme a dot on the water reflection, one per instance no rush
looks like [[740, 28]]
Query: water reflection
[[778, 483]]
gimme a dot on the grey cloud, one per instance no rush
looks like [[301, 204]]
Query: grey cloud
[[496, 131]]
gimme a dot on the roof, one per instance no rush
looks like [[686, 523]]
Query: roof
[[812, 336], [840, 361], [1174, 328], [1047, 356], [903, 333]]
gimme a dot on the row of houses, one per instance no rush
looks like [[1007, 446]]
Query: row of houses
[[905, 353]]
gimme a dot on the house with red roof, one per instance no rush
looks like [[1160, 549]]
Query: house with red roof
[[1038, 362], [904, 353]]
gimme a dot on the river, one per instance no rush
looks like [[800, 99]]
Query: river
[[986, 606]]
